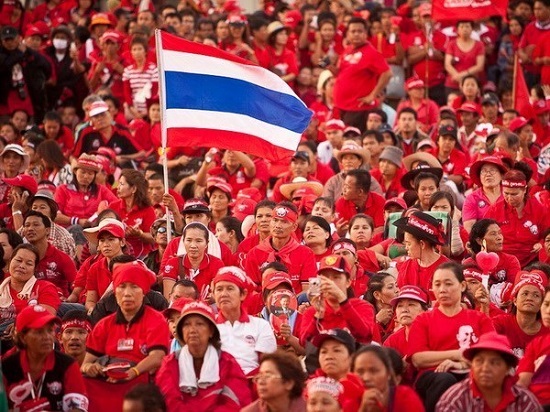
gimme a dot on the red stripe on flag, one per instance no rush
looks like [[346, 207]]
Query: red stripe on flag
[[174, 43], [224, 139], [521, 93], [456, 10]]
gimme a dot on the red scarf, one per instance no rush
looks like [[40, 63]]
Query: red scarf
[[282, 255]]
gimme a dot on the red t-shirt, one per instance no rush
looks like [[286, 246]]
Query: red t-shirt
[[435, 331], [137, 218], [456, 163], [532, 36], [358, 72], [411, 273], [542, 49], [507, 325], [462, 60], [115, 337], [180, 268], [536, 361], [172, 250], [432, 69], [72, 202], [374, 207], [99, 278], [58, 268], [506, 270], [43, 293]]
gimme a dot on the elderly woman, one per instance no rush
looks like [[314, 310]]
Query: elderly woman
[[486, 235], [55, 377], [423, 233], [489, 385], [524, 324], [531, 373], [21, 288], [80, 201], [196, 264], [333, 306], [373, 365], [438, 337], [521, 218], [486, 173], [136, 334], [230, 289], [201, 375], [134, 207], [279, 383]]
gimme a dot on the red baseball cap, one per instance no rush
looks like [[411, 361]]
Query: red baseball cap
[[414, 83], [252, 193], [410, 292], [293, 18], [274, 279], [33, 31], [395, 201], [336, 263], [243, 207], [24, 181], [470, 108], [518, 123], [176, 306], [541, 107], [34, 317], [335, 124], [237, 19], [111, 35]]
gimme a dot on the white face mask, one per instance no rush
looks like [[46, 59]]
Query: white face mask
[[60, 43]]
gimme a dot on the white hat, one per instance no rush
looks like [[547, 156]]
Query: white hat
[[98, 108], [17, 149]]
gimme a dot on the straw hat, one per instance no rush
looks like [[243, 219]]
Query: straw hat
[[352, 148], [288, 188]]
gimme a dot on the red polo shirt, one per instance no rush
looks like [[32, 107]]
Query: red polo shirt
[[43, 293], [99, 278], [456, 163], [138, 218], [116, 337], [374, 207], [72, 202], [539, 347], [58, 268], [507, 324]]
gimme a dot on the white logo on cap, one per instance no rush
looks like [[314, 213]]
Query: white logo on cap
[[281, 212]]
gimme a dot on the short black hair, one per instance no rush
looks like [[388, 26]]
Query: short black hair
[[358, 20], [150, 396], [45, 219], [186, 283], [362, 177], [408, 110], [264, 203]]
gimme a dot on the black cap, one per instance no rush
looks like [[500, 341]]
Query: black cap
[[9, 32], [448, 130], [301, 154], [339, 335], [194, 206], [490, 98]]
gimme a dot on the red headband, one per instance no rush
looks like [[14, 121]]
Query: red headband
[[344, 245], [75, 323], [510, 183], [282, 212], [473, 274]]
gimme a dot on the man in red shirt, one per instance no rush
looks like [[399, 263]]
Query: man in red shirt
[[357, 198], [452, 160], [532, 35], [362, 74]]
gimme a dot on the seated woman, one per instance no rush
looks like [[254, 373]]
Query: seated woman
[[136, 335], [531, 371], [21, 288], [444, 202], [201, 375], [524, 324], [489, 385], [37, 363], [361, 231], [287, 368], [195, 264], [382, 288], [333, 307], [480, 295], [423, 233], [438, 337], [317, 236], [373, 365]]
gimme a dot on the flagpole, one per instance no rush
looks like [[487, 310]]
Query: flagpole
[[163, 133], [514, 77]]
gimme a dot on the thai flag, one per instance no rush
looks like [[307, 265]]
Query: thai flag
[[214, 99]]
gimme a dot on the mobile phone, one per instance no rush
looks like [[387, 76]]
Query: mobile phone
[[314, 287]]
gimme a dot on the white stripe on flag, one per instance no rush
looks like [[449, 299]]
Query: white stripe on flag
[[188, 118], [205, 65]]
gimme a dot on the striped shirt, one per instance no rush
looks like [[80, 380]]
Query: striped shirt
[[140, 85], [464, 396]]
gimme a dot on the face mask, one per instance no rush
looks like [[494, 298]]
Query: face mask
[[60, 43]]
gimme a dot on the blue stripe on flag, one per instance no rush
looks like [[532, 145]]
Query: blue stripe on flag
[[222, 94]]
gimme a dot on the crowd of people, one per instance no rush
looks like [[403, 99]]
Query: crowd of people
[[398, 260]]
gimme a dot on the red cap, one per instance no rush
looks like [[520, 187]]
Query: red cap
[[86, 161], [414, 83], [34, 317], [234, 275], [335, 124], [33, 31], [495, 342], [410, 292], [334, 262], [470, 108], [252, 193], [24, 181], [274, 279], [111, 35], [236, 19], [98, 108], [217, 183], [134, 272], [242, 208], [293, 18], [176, 306], [518, 123], [541, 107], [475, 169], [112, 229], [395, 201], [100, 18]]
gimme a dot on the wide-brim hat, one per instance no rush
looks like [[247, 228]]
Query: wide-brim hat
[[17, 149], [475, 169], [288, 188], [275, 27], [495, 342], [427, 158], [113, 226], [423, 227], [201, 309], [354, 149], [407, 180]]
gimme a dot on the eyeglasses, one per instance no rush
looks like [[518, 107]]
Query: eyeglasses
[[488, 171], [163, 229], [266, 376]]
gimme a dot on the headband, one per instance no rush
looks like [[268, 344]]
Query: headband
[[473, 274], [76, 323], [510, 183], [344, 245], [283, 212]]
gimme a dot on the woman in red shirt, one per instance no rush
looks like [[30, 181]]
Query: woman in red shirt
[[463, 56], [317, 236], [237, 41], [323, 109], [382, 288], [282, 61], [438, 337]]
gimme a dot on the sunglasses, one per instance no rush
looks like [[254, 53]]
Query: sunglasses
[[163, 229]]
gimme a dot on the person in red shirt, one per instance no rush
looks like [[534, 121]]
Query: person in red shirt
[[357, 198], [474, 282], [362, 74], [332, 306], [438, 337], [282, 61], [453, 161], [532, 36], [54, 265], [426, 109], [196, 264], [524, 325], [54, 130], [423, 233], [282, 246], [390, 171]]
